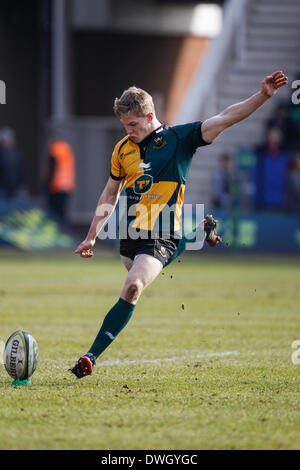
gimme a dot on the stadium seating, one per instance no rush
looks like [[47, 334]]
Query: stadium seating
[[262, 37]]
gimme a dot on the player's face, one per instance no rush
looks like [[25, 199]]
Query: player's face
[[137, 127]]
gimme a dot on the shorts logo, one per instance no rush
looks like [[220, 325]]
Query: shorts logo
[[143, 184], [162, 251]]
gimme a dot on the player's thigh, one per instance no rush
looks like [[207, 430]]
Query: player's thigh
[[145, 269], [128, 262]]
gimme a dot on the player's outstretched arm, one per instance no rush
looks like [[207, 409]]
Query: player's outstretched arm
[[213, 126], [105, 207]]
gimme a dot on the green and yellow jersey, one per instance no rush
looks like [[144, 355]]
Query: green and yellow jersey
[[155, 171]]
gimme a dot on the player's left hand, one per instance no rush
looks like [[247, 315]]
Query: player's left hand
[[271, 84]]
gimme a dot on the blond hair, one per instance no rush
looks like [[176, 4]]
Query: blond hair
[[136, 100]]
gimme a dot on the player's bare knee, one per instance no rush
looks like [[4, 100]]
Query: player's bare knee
[[134, 289]]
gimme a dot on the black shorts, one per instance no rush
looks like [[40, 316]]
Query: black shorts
[[161, 249]]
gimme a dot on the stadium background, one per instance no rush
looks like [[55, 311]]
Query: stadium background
[[71, 59], [206, 361]]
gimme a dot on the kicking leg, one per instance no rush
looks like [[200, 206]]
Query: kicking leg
[[144, 270], [128, 262], [205, 231]]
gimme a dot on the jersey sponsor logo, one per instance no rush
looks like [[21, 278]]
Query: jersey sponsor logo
[[145, 166], [143, 184], [125, 154], [159, 142]]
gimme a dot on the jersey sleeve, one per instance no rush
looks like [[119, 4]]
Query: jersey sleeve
[[190, 136], [199, 137], [194, 135], [117, 171]]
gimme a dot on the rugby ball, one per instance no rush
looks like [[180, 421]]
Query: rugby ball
[[20, 355]]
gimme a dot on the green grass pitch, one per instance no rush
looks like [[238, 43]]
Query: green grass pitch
[[205, 362]]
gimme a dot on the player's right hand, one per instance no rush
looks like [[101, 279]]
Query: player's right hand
[[84, 249]]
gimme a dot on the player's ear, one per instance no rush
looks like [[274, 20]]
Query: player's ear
[[150, 117]]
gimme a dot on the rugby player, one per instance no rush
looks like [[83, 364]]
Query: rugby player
[[152, 161]]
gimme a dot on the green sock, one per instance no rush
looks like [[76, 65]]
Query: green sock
[[113, 323]]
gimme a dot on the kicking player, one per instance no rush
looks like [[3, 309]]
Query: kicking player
[[153, 160]]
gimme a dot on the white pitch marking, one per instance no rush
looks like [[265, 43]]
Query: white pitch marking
[[120, 362], [167, 359]]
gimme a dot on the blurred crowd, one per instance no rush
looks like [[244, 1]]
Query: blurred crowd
[[57, 181], [266, 177], [58, 176], [11, 168]]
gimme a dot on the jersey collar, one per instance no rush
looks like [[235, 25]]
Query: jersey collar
[[150, 136]]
